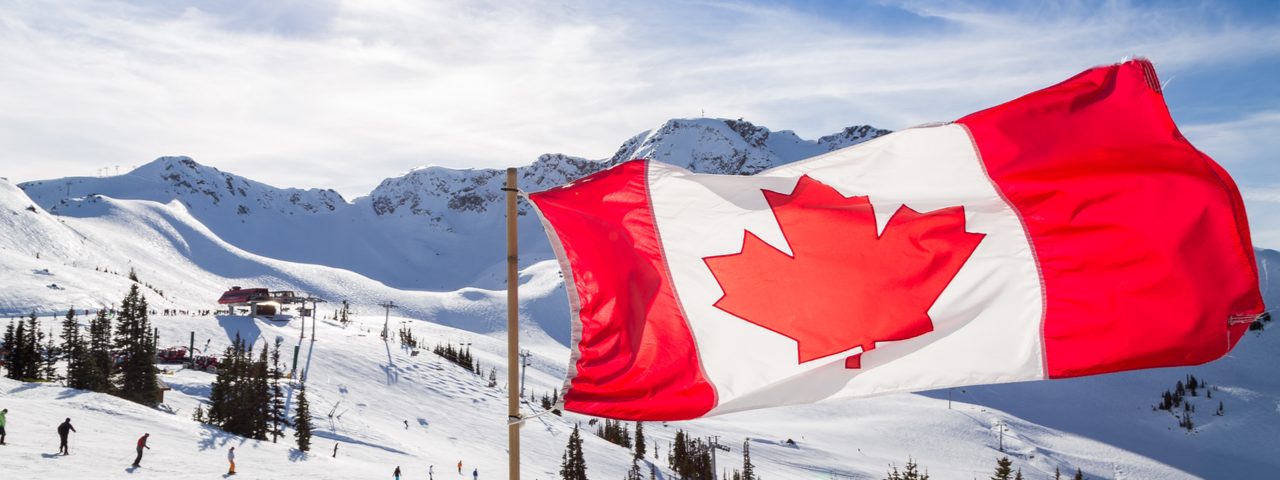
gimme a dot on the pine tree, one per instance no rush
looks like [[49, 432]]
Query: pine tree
[[1018, 475], [278, 418], [11, 366], [749, 470], [49, 353], [572, 465], [910, 472], [640, 445], [302, 420], [29, 340], [634, 472], [678, 454], [1057, 473], [260, 391], [1079, 475], [136, 341], [1004, 469], [76, 353], [198, 415], [243, 399], [99, 365]]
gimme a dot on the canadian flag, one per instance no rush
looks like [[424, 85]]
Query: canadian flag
[[1070, 232]]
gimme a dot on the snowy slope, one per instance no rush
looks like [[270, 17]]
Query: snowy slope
[[1103, 425], [81, 259]]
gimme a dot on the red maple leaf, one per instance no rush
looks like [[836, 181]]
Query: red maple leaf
[[844, 285]]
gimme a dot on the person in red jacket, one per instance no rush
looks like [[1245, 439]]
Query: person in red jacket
[[142, 443]]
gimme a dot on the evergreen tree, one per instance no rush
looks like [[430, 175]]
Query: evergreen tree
[[278, 418], [260, 391], [221, 395], [242, 399], [136, 342], [634, 472], [1057, 473], [640, 445], [198, 415], [1018, 475], [1004, 469], [572, 465], [302, 420], [1079, 475], [30, 342], [25, 344], [677, 455], [910, 472], [49, 355], [76, 353], [99, 365], [749, 470], [690, 457], [12, 369]]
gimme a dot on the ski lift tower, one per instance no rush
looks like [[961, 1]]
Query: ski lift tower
[[314, 300], [524, 366], [387, 306]]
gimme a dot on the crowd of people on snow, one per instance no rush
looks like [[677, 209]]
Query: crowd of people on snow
[[65, 429], [431, 472], [174, 312], [167, 312]]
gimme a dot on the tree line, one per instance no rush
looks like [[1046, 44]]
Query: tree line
[[247, 397], [114, 357]]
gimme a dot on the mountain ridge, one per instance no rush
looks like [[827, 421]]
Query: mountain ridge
[[416, 225]]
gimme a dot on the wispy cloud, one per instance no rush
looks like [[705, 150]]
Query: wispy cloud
[[343, 94]]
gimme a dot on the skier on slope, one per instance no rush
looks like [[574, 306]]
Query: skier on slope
[[64, 430], [142, 443], [231, 458], [459, 467], [475, 474], [396, 474], [2, 415], [431, 472]]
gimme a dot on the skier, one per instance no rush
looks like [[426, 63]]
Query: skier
[[475, 474], [231, 458], [431, 472], [396, 474], [459, 467], [2, 414], [142, 443], [64, 430]]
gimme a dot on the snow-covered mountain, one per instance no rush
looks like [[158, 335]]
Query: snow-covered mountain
[[431, 240], [425, 229]]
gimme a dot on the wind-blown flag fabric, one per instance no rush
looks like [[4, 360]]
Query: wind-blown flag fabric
[[1070, 232]]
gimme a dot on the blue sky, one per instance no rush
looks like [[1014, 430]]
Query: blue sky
[[324, 93]]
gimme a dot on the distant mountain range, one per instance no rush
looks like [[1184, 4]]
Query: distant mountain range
[[424, 229]]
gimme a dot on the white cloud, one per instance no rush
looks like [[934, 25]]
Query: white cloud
[[1248, 146], [342, 95]]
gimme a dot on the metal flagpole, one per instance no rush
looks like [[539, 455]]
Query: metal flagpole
[[513, 333]]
